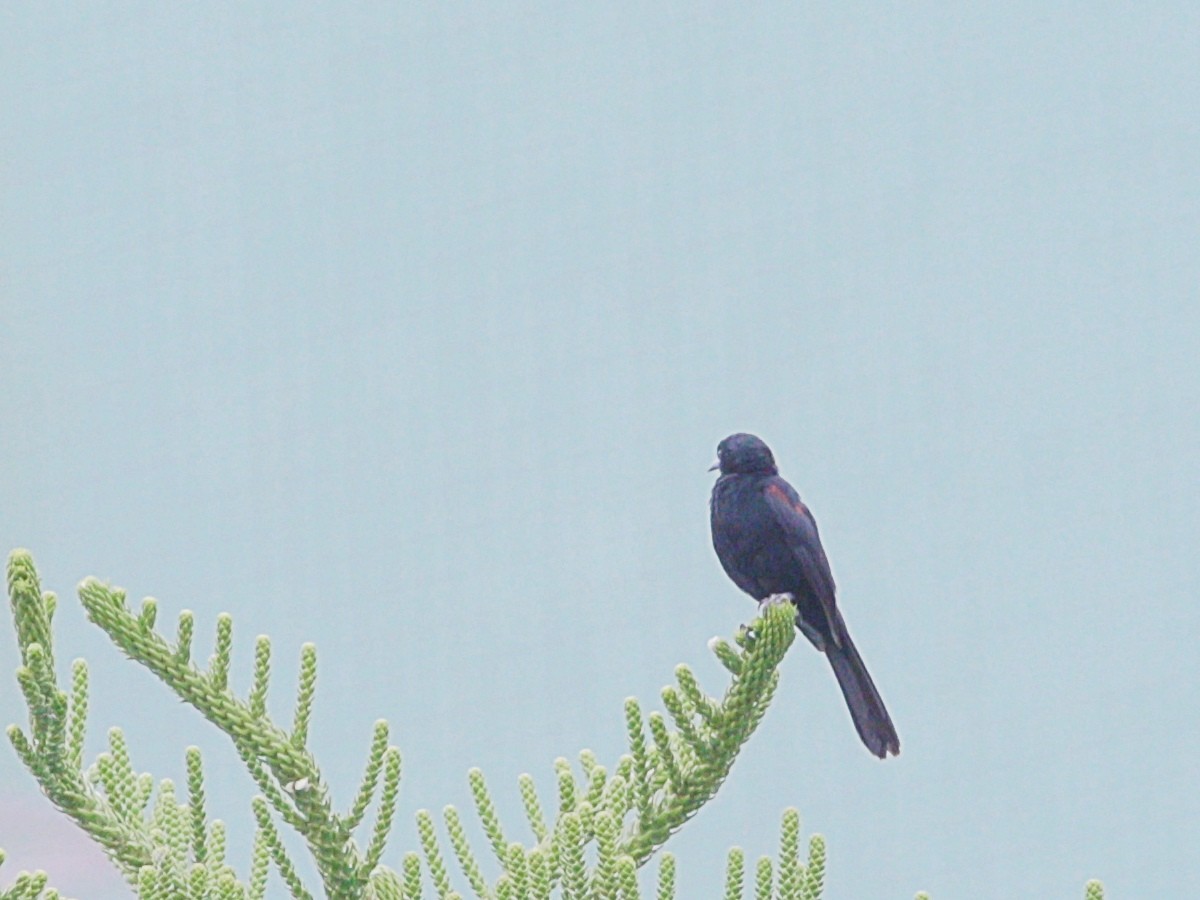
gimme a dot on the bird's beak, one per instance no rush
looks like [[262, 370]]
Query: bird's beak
[[716, 465]]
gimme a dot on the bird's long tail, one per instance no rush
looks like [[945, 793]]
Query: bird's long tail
[[870, 716]]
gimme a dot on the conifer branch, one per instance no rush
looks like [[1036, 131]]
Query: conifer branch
[[814, 873], [735, 872], [279, 761], [666, 877], [608, 819], [45, 750], [29, 886]]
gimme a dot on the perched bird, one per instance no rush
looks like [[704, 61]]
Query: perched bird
[[768, 544]]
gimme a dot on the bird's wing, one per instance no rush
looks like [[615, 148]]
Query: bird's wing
[[800, 530]]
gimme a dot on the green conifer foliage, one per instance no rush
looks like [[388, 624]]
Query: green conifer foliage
[[606, 823]]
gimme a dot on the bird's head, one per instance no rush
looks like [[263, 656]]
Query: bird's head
[[744, 454]]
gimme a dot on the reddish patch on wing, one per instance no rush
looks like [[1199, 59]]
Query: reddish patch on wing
[[779, 492]]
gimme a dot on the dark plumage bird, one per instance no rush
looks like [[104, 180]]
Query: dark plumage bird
[[767, 542]]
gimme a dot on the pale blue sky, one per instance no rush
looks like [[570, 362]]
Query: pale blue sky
[[411, 330]]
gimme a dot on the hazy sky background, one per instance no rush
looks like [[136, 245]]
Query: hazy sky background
[[411, 330]]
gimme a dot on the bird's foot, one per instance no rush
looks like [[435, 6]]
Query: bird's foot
[[774, 600], [764, 604]]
